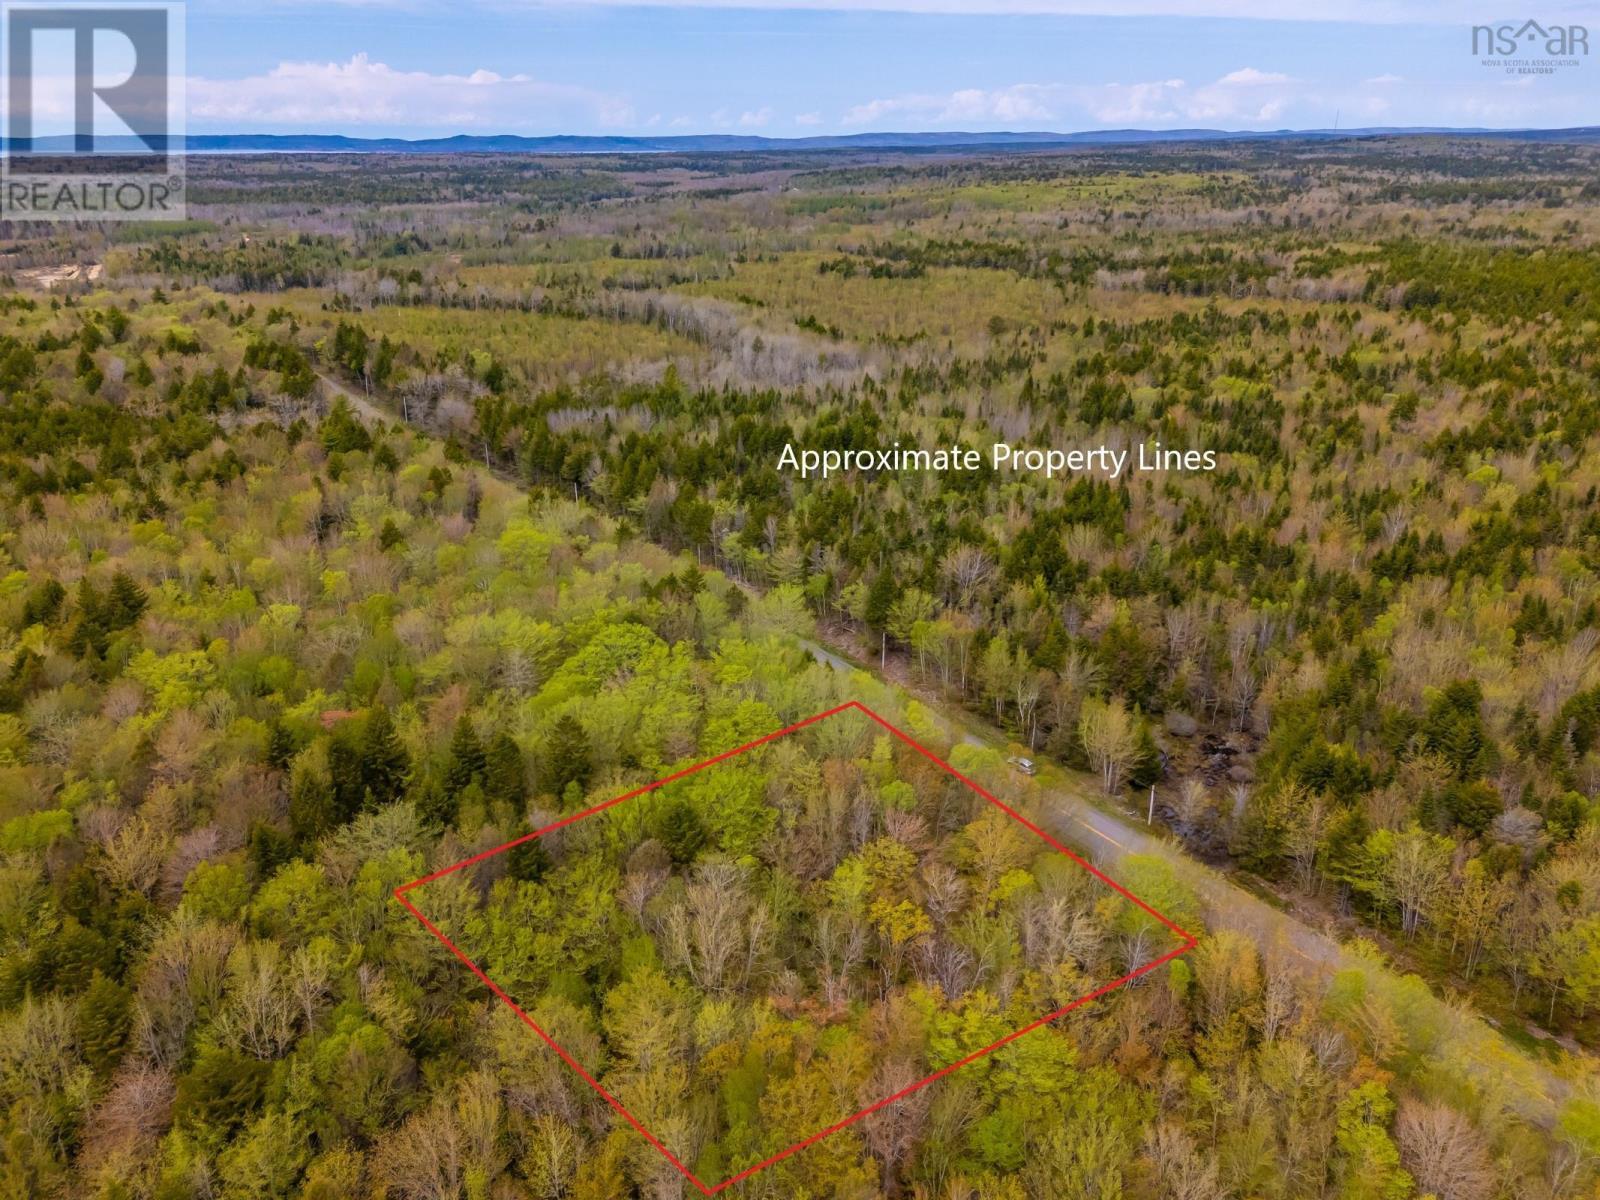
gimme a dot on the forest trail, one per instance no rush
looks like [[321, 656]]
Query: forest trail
[[1504, 1072], [364, 407]]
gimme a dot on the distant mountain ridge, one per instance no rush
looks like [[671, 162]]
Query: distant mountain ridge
[[258, 143]]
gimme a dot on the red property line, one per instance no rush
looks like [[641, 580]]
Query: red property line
[[1187, 943], [649, 787]]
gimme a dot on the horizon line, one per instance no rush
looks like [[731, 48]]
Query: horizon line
[[886, 139]]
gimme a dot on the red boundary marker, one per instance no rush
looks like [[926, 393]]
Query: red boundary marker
[[1187, 940]]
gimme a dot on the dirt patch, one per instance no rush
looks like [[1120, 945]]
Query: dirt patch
[[49, 277]]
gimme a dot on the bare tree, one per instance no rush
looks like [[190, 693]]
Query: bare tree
[[841, 944], [180, 745], [1109, 739], [649, 867], [1194, 811], [1182, 1170], [1053, 933], [966, 570], [1242, 688], [1280, 1000], [1444, 1152], [424, 1159], [134, 857], [1308, 821], [1415, 875], [892, 1131], [136, 1111], [716, 927], [258, 1013], [947, 963], [945, 892], [310, 979], [554, 1150], [184, 975], [1025, 692]]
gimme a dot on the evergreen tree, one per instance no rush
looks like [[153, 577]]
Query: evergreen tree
[[472, 807], [313, 807], [681, 830], [1473, 805], [341, 431], [1145, 769], [126, 602], [1260, 834], [88, 635], [503, 775], [104, 1017], [881, 599], [26, 673], [385, 765], [436, 805], [1344, 851], [528, 861], [281, 746], [345, 776], [1455, 730], [270, 848], [43, 604], [566, 757], [466, 758], [1128, 659], [221, 1091]]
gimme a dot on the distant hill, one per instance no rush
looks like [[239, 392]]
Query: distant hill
[[256, 143]]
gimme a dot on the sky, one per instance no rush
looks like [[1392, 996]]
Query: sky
[[425, 68]]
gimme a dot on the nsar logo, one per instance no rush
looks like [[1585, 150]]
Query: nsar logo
[[1530, 48]]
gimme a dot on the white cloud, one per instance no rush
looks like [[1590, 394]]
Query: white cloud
[[1021, 102], [1385, 79], [1137, 103], [1247, 96], [810, 118], [755, 119], [361, 92], [1250, 77]]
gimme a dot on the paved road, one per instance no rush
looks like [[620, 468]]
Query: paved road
[[822, 654], [1526, 1086], [1107, 838]]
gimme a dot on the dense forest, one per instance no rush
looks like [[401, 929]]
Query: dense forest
[[375, 517]]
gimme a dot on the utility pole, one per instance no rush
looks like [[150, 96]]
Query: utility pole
[[1150, 817]]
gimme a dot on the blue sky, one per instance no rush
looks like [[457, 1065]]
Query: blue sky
[[431, 67]]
